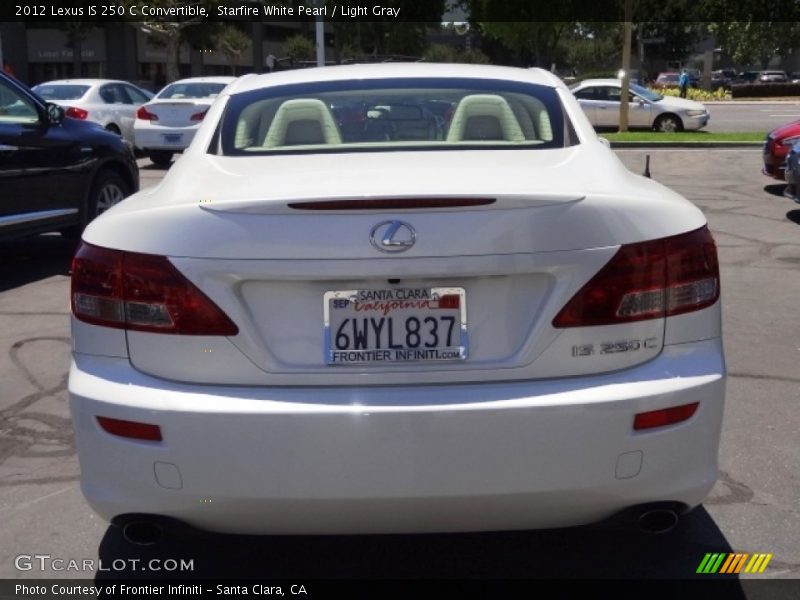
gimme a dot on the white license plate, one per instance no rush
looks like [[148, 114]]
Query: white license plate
[[173, 138], [395, 325]]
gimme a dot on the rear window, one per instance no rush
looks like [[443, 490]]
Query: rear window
[[177, 91], [392, 114], [61, 92]]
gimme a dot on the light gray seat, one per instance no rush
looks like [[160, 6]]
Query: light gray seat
[[484, 117], [303, 121]]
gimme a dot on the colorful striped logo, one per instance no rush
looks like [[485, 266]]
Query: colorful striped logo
[[733, 563]]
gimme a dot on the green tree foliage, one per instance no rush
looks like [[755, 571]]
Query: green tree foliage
[[381, 38], [77, 33], [756, 42], [594, 47], [754, 31], [299, 48], [444, 53], [531, 43], [168, 33], [232, 42]]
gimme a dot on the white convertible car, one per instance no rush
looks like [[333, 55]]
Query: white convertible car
[[345, 312]]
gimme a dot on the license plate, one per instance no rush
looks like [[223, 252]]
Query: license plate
[[173, 138], [395, 325]]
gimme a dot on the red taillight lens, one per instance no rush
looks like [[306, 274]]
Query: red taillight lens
[[664, 417], [131, 429], [141, 292], [198, 116], [76, 113], [648, 280], [145, 114]]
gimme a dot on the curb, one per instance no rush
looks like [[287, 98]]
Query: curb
[[686, 144], [749, 102]]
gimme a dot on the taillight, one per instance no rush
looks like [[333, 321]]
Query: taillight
[[198, 116], [145, 114], [141, 292], [76, 113], [648, 280], [131, 429]]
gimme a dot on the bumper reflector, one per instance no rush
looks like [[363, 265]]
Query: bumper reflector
[[664, 416], [131, 429]]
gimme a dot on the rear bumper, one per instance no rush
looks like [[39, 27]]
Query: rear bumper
[[154, 137], [775, 163], [491, 456]]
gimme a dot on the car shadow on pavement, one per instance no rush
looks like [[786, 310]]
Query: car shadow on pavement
[[775, 189], [591, 552], [26, 260], [794, 216]]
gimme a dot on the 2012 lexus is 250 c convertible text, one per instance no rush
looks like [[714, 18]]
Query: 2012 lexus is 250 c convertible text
[[396, 298]]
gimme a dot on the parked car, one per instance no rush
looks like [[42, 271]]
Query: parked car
[[772, 77], [56, 173], [167, 123], [666, 80], [795, 77], [746, 77], [777, 146], [793, 173], [723, 78], [110, 103], [600, 100], [298, 330]]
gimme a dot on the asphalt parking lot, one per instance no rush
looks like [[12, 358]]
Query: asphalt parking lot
[[755, 506]]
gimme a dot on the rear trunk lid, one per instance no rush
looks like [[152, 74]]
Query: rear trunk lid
[[504, 268], [177, 113]]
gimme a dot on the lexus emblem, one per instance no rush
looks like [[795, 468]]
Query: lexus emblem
[[393, 236]]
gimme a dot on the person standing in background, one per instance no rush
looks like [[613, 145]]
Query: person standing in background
[[683, 82]]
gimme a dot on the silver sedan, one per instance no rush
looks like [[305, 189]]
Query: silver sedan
[[107, 102], [600, 100]]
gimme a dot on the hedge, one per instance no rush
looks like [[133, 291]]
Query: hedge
[[765, 90]]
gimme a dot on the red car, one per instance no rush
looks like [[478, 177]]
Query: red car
[[779, 142]]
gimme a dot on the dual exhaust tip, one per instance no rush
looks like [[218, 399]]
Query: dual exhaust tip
[[649, 519]]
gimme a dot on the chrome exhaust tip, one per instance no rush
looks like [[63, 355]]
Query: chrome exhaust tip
[[142, 533], [658, 520]]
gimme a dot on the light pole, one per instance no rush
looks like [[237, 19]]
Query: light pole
[[320, 31], [626, 66]]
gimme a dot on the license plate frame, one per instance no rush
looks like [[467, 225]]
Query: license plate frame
[[388, 303], [172, 138]]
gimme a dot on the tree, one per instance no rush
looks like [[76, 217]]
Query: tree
[[753, 30], [169, 33], [232, 42], [380, 38], [77, 32], [532, 43], [299, 48], [756, 41], [443, 53], [594, 47]]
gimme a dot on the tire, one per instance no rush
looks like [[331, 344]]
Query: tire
[[668, 124], [107, 190], [160, 158]]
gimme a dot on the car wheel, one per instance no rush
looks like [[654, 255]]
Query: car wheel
[[113, 129], [668, 124], [108, 189], [160, 158]]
